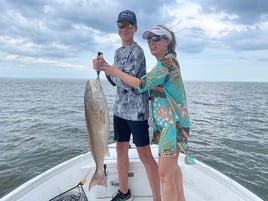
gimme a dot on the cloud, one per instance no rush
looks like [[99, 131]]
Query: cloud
[[61, 32], [58, 28], [246, 11], [248, 39], [198, 30], [32, 60]]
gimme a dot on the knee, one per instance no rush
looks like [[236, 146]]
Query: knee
[[122, 147], [166, 175], [162, 174], [145, 155], [122, 150]]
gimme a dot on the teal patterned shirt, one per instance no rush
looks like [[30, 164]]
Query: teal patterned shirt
[[169, 105]]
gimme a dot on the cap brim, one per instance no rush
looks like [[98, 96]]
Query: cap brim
[[146, 34], [157, 30]]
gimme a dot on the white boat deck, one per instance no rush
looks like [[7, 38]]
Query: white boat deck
[[201, 182]]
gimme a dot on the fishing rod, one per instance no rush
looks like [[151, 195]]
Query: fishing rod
[[98, 72]]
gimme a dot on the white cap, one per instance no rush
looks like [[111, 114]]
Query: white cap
[[157, 30]]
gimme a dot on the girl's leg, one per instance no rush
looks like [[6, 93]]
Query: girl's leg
[[171, 179]]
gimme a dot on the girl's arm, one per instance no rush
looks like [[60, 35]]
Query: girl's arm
[[113, 71]]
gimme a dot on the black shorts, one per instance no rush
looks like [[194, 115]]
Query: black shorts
[[124, 128]]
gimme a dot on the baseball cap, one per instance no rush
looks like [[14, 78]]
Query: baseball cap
[[157, 30], [127, 15]]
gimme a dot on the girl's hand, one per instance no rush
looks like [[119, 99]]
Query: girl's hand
[[110, 69]]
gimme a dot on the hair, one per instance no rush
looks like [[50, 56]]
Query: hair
[[173, 43]]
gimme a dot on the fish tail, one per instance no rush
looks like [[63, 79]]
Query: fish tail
[[98, 180]]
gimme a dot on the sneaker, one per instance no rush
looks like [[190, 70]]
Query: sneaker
[[121, 196]]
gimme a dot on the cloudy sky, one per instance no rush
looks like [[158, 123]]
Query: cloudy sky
[[217, 40]]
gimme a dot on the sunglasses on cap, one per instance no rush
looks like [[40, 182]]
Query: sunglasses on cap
[[155, 38], [127, 25]]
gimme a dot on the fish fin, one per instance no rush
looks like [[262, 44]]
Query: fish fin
[[107, 153]]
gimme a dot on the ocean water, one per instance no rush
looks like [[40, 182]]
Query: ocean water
[[42, 124]]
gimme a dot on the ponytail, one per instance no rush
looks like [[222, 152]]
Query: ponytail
[[173, 43]]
